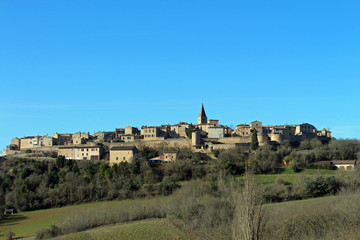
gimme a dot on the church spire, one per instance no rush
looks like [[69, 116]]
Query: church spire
[[202, 119]]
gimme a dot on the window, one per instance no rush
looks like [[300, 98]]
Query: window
[[124, 158], [117, 158]]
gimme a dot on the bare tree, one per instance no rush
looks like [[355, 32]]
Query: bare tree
[[248, 222]]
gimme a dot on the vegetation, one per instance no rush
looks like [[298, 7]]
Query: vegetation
[[254, 144], [144, 229], [216, 200]]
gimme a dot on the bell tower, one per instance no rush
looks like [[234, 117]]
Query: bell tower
[[202, 119]]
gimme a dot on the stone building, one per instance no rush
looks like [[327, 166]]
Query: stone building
[[119, 132], [153, 133], [80, 138], [128, 138], [78, 152], [304, 128], [256, 125], [63, 138], [36, 141], [180, 130], [129, 130], [324, 133], [167, 157], [122, 154], [243, 130], [15, 144], [216, 132], [104, 136]]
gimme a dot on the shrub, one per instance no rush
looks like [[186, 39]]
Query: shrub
[[52, 231], [321, 186]]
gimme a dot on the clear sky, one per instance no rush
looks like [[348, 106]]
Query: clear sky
[[71, 65]]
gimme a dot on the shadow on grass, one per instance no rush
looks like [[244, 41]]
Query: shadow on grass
[[12, 219]]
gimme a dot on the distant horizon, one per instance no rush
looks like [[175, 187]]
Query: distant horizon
[[67, 66]]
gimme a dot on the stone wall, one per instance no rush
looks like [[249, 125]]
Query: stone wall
[[167, 143]]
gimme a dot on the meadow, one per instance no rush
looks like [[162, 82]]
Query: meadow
[[151, 229], [288, 175], [27, 223]]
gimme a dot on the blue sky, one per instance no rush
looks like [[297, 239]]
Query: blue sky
[[88, 65]]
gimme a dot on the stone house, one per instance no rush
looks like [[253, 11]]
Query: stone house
[[129, 130], [243, 130], [78, 152], [256, 125], [63, 138], [119, 132], [324, 133], [122, 154], [104, 136], [304, 128], [80, 138], [128, 138], [345, 164], [167, 157], [338, 164], [216, 132], [36, 141], [15, 144], [152, 133]]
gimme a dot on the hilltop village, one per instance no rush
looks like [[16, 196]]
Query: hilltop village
[[123, 143]]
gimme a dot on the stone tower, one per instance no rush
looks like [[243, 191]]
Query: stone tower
[[202, 119], [195, 138]]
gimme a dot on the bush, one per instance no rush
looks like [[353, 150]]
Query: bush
[[85, 218], [321, 186], [52, 231], [197, 208]]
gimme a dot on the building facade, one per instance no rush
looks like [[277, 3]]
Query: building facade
[[81, 152], [122, 154]]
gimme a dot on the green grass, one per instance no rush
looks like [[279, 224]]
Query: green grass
[[143, 229], [25, 224], [290, 176]]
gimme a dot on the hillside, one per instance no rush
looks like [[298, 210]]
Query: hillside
[[150, 229]]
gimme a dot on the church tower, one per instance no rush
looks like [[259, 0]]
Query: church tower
[[202, 119]]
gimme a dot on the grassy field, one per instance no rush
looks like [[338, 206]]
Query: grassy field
[[290, 176], [27, 223], [143, 229]]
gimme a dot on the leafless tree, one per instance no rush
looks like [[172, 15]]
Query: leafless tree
[[248, 222]]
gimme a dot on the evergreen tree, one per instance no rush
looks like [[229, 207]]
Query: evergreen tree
[[254, 141]]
